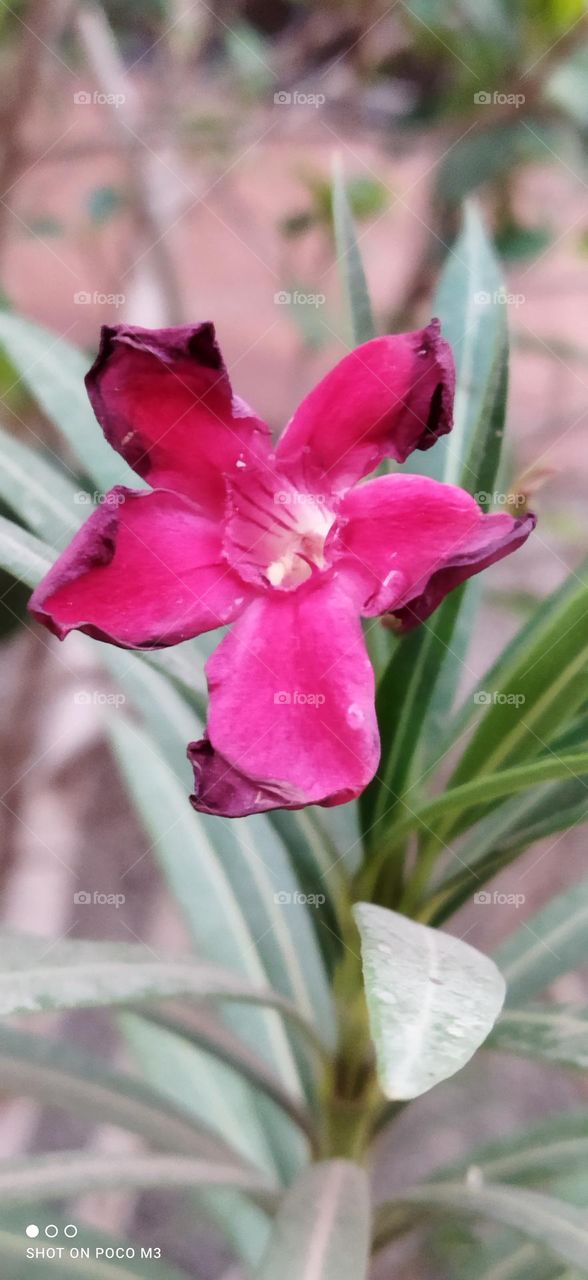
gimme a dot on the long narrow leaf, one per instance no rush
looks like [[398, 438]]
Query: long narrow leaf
[[468, 456], [72, 1173], [546, 1033], [61, 1076], [349, 260], [322, 1230], [550, 1222], [54, 370], [550, 943]]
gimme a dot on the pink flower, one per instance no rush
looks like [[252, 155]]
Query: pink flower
[[283, 543]]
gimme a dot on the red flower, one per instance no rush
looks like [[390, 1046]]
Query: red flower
[[278, 541]]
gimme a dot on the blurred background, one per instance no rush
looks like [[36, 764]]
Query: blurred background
[[169, 161]]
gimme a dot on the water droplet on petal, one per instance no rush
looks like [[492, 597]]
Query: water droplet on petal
[[355, 716]]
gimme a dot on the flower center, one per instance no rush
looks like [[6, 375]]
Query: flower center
[[277, 531]]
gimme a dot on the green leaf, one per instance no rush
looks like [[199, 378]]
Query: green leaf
[[355, 290], [23, 555], [200, 880], [196, 876], [556, 1145], [549, 1033], [209, 1034], [54, 370], [538, 687], [38, 493], [61, 1076], [322, 1229], [67, 1173], [461, 799], [244, 866], [37, 976], [556, 1225], [474, 322], [529, 639], [432, 1000], [222, 1100], [422, 674], [550, 943], [497, 839]]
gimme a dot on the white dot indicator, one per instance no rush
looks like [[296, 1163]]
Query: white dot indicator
[[31, 1231], [52, 1230], [70, 1230]]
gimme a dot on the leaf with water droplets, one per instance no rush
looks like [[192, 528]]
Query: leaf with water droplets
[[432, 999]]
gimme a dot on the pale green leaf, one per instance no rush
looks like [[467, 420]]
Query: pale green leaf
[[559, 1227], [556, 1033], [22, 554], [322, 1229], [353, 279], [548, 944], [432, 1000], [67, 1173], [54, 370]]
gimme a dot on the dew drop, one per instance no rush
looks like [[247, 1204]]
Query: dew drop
[[355, 716], [386, 997]]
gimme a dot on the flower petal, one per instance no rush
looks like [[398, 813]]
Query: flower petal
[[145, 571], [164, 401], [410, 540], [291, 717], [388, 397]]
